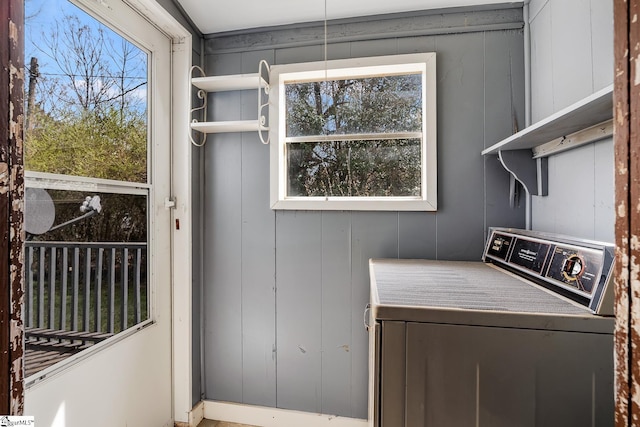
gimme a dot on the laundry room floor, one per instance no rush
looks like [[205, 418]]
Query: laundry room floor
[[210, 423]]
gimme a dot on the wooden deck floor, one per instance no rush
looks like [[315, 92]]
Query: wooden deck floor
[[46, 347], [37, 359]]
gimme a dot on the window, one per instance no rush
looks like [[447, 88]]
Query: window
[[355, 134]]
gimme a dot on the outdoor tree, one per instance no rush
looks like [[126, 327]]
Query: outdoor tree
[[88, 118], [340, 163]]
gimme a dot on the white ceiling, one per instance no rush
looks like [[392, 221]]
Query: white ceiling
[[213, 16]]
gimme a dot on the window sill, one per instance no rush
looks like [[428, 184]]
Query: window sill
[[353, 204]]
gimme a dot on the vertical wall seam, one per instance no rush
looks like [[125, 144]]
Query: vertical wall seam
[[435, 49], [553, 99], [350, 233], [484, 129], [322, 343], [241, 249], [398, 234], [275, 303], [593, 78]]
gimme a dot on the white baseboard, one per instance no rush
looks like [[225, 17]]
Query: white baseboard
[[196, 415], [273, 417]]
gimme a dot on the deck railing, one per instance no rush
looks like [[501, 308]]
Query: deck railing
[[85, 287]]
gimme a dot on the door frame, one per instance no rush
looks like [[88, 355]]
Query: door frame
[[181, 276]]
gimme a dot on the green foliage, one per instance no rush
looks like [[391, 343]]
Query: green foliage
[[372, 168], [358, 167], [87, 117], [90, 144]]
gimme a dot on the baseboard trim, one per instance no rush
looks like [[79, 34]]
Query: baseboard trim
[[273, 417], [196, 415]]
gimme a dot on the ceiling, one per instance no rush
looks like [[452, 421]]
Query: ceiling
[[214, 16]]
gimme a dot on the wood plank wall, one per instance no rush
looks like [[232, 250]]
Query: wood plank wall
[[571, 57], [11, 208], [284, 291]]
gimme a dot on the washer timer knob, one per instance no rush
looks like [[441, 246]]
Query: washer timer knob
[[573, 267]]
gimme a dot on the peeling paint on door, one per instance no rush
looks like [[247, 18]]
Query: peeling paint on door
[[11, 208]]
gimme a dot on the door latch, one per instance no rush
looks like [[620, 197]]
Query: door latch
[[169, 203]]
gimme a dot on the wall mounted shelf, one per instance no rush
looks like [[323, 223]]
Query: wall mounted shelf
[[594, 109], [207, 84], [229, 126], [524, 154], [227, 83]]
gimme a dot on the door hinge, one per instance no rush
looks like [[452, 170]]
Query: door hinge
[[169, 203]]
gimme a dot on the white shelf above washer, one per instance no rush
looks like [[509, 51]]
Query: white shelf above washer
[[231, 82], [229, 126], [594, 109]]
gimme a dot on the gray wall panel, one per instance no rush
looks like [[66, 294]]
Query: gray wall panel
[[460, 165], [299, 323], [571, 50], [571, 183], [374, 235], [580, 200], [223, 247], [542, 84], [374, 47], [408, 45], [300, 54], [318, 261], [223, 343], [258, 251], [604, 215], [535, 7], [579, 34], [601, 43], [417, 235], [336, 313], [504, 93]]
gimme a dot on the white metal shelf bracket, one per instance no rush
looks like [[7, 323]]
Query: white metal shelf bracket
[[203, 96], [262, 105]]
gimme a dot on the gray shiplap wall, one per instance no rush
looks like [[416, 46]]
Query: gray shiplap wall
[[284, 291], [571, 58]]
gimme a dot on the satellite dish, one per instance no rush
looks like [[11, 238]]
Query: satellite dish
[[39, 211]]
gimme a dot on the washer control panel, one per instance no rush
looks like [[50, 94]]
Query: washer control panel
[[575, 268]]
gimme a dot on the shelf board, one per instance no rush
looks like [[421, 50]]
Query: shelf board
[[592, 110], [232, 82], [229, 126]]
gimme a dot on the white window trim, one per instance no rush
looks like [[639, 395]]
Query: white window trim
[[425, 62]]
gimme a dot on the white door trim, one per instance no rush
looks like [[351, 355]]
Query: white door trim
[[181, 253]]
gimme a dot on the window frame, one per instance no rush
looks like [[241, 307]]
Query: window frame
[[425, 63]]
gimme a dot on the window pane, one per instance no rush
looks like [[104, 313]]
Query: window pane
[[122, 218], [384, 104], [86, 269], [86, 109], [375, 168]]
